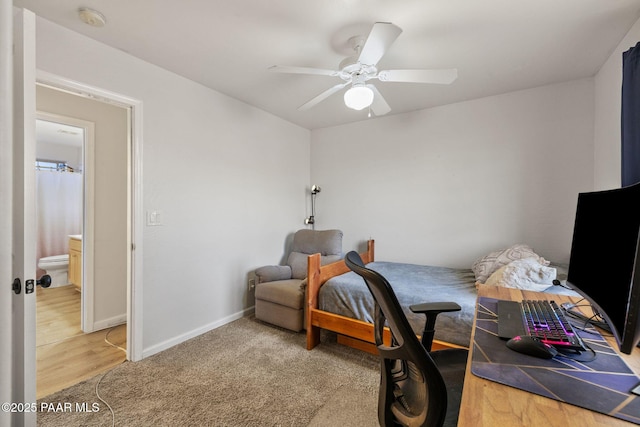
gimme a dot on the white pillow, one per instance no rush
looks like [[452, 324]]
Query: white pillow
[[485, 266], [527, 273]]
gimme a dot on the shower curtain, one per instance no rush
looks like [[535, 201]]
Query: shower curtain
[[58, 211]]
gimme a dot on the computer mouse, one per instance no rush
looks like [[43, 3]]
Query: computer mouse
[[532, 346]]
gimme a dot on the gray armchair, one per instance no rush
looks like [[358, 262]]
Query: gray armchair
[[279, 288]]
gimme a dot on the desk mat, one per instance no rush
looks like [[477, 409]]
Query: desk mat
[[601, 385]]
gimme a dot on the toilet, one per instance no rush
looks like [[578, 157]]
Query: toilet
[[57, 267]]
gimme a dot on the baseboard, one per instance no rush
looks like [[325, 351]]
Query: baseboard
[[108, 323], [157, 348]]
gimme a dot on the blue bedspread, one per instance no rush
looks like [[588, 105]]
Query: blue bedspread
[[349, 296]]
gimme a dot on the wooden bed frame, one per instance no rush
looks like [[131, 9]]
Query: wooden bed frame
[[351, 332]]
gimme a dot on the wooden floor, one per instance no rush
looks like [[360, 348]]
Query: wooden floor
[[64, 354]]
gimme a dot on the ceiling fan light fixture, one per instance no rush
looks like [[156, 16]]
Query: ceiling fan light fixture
[[358, 97]]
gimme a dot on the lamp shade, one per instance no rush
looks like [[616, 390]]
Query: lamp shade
[[358, 97]]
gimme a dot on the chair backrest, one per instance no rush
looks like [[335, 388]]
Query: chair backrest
[[328, 243], [412, 390]]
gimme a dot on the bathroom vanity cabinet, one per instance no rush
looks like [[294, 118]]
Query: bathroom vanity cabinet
[[75, 261]]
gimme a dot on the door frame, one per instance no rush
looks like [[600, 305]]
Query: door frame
[[6, 202], [136, 218], [88, 209]]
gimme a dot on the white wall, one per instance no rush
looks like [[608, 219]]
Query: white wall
[[446, 185], [229, 180], [608, 99]]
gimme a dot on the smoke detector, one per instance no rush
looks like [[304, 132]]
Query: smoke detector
[[91, 17]]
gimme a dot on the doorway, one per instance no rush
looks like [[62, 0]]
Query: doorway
[[105, 280], [64, 205]]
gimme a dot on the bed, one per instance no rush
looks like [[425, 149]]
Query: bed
[[338, 300]]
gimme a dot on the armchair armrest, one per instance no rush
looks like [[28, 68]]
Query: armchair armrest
[[431, 311], [270, 273]]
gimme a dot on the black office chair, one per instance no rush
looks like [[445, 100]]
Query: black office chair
[[417, 387]]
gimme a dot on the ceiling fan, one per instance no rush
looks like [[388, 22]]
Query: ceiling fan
[[357, 70]]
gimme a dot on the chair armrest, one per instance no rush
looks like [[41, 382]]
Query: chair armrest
[[431, 311], [271, 273], [436, 307]]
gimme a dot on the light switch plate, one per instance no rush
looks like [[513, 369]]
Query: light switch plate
[[154, 218]]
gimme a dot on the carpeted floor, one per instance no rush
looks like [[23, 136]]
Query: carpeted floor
[[245, 373]]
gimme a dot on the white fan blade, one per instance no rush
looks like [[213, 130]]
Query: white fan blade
[[419, 76], [382, 35], [324, 95], [379, 106], [302, 70]]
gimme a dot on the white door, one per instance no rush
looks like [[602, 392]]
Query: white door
[[6, 166], [18, 357]]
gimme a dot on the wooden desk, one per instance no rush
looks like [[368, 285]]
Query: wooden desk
[[487, 403]]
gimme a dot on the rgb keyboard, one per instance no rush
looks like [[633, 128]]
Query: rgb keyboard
[[539, 318]]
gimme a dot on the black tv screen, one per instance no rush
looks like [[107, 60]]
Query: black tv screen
[[603, 265]]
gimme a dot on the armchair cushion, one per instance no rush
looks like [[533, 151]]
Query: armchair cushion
[[288, 293], [306, 242], [272, 273], [298, 262], [326, 242]]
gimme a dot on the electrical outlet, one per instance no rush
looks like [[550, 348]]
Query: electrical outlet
[[252, 284]]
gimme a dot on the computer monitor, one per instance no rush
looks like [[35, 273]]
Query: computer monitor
[[604, 266]]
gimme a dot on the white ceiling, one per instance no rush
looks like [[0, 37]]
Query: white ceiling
[[497, 46]]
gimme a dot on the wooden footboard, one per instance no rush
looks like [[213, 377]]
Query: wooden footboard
[[317, 319], [352, 332]]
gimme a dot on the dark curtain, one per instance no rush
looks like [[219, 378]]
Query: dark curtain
[[631, 116]]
